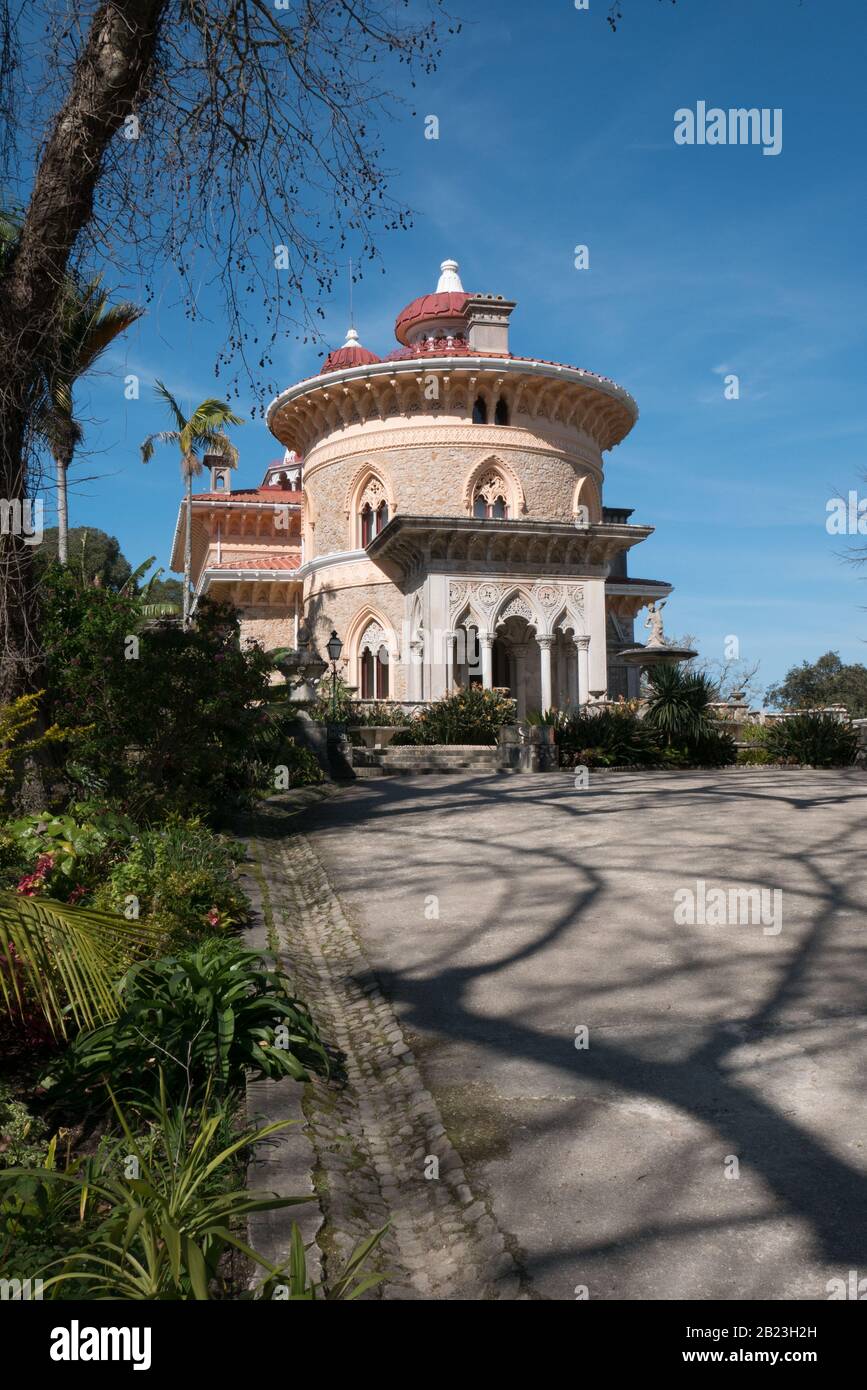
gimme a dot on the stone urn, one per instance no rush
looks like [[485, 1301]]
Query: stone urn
[[375, 736]]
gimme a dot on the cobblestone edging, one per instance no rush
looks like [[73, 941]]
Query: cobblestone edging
[[372, 1135]]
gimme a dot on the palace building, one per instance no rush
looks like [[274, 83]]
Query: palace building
[[442, 509]]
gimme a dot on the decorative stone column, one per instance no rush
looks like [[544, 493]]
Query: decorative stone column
[[545, 662], [416, 660], [449, 639], [572, 673], [583, 645], [487, 643]]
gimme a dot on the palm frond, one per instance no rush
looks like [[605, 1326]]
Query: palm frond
[[104, 329], [138, 573], [210, 415], [67, 958], [161, 437], [165, 394], [148, 588], [214, 442]]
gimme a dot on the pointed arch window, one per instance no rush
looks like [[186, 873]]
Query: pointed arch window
[[373, 511], [491, 498], [501, 414], [373, 663], [480, 411]]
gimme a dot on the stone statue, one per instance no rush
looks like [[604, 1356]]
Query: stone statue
[[654, 622]]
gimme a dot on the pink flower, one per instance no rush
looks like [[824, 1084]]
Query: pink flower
[[213, 917], [29, 885]]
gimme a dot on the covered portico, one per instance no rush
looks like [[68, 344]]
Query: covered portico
[[513, 603], [542, 659]]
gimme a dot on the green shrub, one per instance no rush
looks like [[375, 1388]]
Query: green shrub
[[749, 731], [169, 723], [16, 722], [754, 757], [23, 1137], [157, 1228], [66, 857], [38, 1217], [716, 748], [472, 716], [391, 716], [205, 1015], [276, 742], [818, 740], [285, 764], [184, 879], [322, 708], [302, 765], [152, 1215], [612, 737]]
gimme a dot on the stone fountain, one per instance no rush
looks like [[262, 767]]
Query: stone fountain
[[656, 651]]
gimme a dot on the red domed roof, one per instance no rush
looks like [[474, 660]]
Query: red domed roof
[[448, 304], [352, 354]]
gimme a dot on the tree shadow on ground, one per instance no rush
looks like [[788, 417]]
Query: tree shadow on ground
[[780, 992]]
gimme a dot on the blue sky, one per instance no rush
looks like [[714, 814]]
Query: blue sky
[[704, 260]]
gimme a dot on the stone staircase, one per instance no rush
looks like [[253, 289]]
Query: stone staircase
[[456, 757]]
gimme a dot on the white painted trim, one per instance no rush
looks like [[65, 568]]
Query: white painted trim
[[507, 365], [337, 557]]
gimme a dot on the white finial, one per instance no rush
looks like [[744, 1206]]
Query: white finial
[[449, 279], [352, 339]]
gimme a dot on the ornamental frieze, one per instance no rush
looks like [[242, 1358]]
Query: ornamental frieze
[[438, 435], [518, 608], [548, 595], [485, 596]]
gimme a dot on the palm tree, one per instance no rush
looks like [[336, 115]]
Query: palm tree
[[88, 326], [202, 430]]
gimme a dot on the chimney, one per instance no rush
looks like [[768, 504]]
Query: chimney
[[487, 317], [221, 472]]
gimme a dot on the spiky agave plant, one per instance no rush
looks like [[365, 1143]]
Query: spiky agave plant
[[678, 706], [162, 1233]]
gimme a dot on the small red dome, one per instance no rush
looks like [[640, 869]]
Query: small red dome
[[352, 354], [448, 304]]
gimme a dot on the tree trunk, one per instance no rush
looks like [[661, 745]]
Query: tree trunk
[[62, 465], [188, 547], [109, 81]]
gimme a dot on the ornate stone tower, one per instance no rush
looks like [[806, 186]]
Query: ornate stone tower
[[452, 517]]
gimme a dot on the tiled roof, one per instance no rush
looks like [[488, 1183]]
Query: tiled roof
[[348, 357], [250, 494], [273, 562], [448, 305]]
